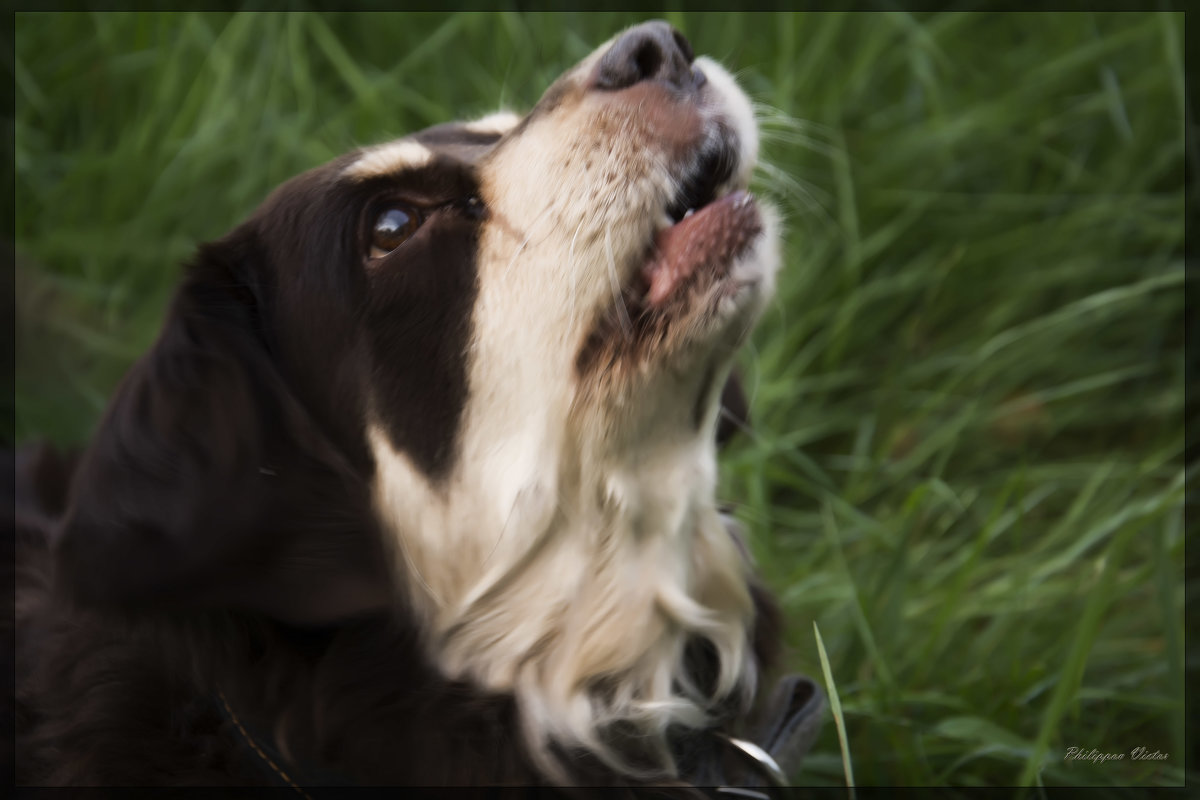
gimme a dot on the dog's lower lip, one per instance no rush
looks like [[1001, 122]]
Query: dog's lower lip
[[707, 238]]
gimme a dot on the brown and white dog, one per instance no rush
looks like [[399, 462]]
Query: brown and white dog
[[418, 483]]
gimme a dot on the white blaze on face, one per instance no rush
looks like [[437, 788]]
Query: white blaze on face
[[500, 122], [576, 537], [389, 158]]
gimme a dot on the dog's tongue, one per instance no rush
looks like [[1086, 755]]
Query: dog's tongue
[[708, 239]]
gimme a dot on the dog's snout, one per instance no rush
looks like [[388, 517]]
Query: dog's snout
[[652, 51]]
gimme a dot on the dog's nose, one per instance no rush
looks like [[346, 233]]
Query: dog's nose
[[652, 51]]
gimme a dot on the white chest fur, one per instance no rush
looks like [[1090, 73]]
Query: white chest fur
[[574, 581]]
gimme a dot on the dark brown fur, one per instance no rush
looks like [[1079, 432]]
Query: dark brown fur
[[216, 538], [130, 697], [215, 543]]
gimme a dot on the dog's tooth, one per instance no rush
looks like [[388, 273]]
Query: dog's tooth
[[689, 212]]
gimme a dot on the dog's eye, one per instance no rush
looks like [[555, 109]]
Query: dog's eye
[[392, 228]]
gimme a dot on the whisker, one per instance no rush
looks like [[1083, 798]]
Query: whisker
[[615, 283], [574, 273], [806, 197], [527, 239], [771, 116]]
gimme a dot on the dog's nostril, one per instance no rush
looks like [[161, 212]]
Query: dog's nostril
[[648, 58], [684, 46], [648, 52]]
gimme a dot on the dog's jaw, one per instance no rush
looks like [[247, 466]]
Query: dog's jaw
[[575, 543], [580, 198]]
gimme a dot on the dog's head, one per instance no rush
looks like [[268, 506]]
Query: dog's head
[[473, 373]]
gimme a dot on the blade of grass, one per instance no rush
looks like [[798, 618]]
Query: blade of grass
[[835, 703], [1071, 674]]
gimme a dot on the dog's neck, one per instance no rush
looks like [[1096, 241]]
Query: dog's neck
[[576, 576]]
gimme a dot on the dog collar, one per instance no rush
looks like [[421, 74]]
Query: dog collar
[[763, 759], [767, 767], [768, 752], [266, 759]]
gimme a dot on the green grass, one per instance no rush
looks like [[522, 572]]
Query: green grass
[[967, 460]]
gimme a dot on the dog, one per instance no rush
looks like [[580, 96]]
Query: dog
[[417, 484]]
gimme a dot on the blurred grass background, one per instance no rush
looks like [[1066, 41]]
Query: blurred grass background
[[967, 459]]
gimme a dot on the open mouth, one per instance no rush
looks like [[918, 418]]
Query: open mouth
[[705, 230]]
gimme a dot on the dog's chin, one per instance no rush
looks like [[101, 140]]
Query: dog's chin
[[699, 249], [663, 348]]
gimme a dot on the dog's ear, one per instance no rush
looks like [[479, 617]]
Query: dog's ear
[[208, 483], [734, 415]]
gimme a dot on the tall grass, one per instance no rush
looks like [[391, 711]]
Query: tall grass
[[967, 456]]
